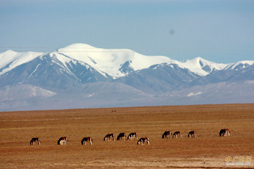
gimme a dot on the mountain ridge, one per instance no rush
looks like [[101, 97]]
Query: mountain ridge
[[110, 60], [117, 77]]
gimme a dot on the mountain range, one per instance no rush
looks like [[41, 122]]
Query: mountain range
[[83, 76]]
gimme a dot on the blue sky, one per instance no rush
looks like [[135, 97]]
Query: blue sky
[[216, 30]]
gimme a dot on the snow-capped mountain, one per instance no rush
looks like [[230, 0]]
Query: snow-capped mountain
[[202, 67], [110, 61], [239, 65], [159, 78], [114, 62], [11, 59], [81, 72]]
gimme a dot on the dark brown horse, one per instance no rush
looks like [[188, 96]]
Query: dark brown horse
[[224, 132], [132, 136], [35, 139], [109, 136], [121, 136], [143, 140], [176, 134], [192, 134], [87, 139], [62, 141], [167, 134]]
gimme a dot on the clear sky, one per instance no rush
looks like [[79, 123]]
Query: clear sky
[[217, 30]]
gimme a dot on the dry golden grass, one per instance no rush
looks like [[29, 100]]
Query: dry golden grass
[[206, 150]]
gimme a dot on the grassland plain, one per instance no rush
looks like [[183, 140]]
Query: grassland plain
[[207, 150]]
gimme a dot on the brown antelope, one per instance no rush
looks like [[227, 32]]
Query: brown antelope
[[62, 141], [33, 140], [142, 140], [192, 134], [109, 136], [121, 136], [87, 139], [224, 132], [176, 134], [167, 134], [132, 136]]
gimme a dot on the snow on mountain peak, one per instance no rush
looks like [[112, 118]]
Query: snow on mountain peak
[[201, 66], [10, 52], [110, 61], [7, 57], [76, 47], [240, 63], [14, 59]]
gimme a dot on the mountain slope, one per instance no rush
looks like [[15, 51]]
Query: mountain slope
[[110, 60], [24, 97], [120, 95], [11, 59], [234, 72], [213, 93], [98, 94], [159, 78], [202, 67], [49, 71], [114, 62], [80, 75]]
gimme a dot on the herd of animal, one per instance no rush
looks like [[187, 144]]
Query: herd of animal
[[131, 136]]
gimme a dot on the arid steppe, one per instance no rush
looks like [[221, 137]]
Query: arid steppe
[[207, 150]]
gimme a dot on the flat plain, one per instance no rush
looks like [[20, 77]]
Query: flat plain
[[207, 150]]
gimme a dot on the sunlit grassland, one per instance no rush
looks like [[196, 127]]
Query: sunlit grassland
[[206, 150]]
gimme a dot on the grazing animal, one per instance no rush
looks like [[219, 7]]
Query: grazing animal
[[132, 136], [87, 139], [34, 140], [109, 136], [225, 132], [121, 136], [167, 134], [176, 134], [142, 140], [191, 134], [62, 141]]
